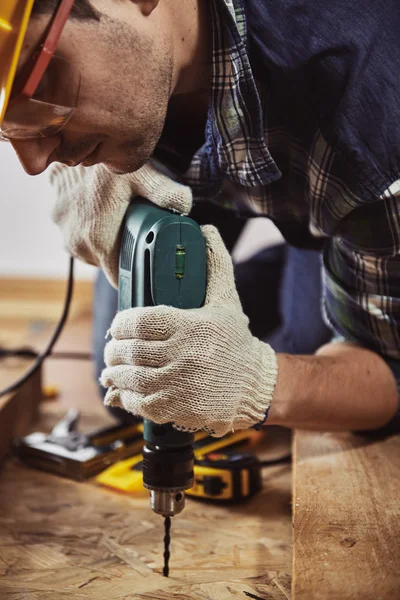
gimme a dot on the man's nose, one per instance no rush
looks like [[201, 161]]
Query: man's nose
[[34, 154]]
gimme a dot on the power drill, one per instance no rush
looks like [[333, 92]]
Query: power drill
[[163, 261]]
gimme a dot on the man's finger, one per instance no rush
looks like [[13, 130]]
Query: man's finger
[[141, 380], [137, 352], [139, 405], [220, 277], [148, 323]]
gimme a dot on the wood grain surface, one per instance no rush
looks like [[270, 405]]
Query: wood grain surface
[[346, 517]]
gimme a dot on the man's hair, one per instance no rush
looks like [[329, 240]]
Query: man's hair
[[81, 9]]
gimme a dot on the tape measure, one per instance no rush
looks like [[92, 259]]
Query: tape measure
[[218, 476], [226, 476]]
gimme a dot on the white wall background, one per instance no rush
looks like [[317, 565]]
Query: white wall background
[[31, 244]]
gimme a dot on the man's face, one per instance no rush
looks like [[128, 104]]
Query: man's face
[[126, 66]]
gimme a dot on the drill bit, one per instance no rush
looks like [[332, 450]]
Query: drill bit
[[167, 540]]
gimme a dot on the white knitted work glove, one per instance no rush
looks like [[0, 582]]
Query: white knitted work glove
[[92, 202], [198, 368]]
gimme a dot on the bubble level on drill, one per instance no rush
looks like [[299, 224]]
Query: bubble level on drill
[[180, 255]]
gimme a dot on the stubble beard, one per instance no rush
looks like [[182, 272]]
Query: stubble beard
[[136, 152]]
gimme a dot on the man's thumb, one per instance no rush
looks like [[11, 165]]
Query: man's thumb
[[220, 277], [160, 189]]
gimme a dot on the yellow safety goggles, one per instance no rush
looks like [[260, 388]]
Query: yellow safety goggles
[[43, 96]]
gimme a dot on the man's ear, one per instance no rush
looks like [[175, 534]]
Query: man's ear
[[146, 6]]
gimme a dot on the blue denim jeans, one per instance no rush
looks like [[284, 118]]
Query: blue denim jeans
[[280, 291]]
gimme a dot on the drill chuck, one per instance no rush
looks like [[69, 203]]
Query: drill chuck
[[167, 504], [167, 470]]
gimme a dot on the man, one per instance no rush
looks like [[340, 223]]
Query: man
[[291, 108]]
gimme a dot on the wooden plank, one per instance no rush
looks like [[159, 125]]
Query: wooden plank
[[19, 409], [346, 500]]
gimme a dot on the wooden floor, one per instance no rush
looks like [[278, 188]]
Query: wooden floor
[[61, 539]]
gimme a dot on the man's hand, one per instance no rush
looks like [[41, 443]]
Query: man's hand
[[199, 368], [91, 205]]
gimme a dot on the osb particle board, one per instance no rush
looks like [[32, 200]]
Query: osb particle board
[[61, 539]]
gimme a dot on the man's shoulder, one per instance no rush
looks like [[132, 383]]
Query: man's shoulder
[[332, 67], [294, 31]]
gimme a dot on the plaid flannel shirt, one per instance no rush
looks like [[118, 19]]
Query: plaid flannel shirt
[[275, 144]]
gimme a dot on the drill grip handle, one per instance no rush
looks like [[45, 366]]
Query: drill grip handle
[[162, 261]]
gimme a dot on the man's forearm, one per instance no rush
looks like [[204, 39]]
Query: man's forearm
[[341, 387]]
